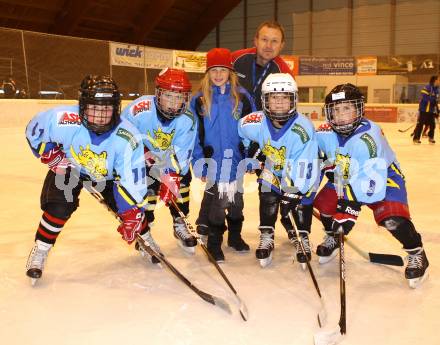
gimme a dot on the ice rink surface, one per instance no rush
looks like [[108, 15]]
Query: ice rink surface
[[97, 290]]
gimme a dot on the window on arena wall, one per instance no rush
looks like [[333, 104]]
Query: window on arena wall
[[303, 94], [364, 91], [318, 94]]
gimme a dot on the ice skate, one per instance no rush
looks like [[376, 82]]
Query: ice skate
[[416, 271], [148, 239], [265, 248], [301, 256], [37, 259], [327, 250], [185, 240]]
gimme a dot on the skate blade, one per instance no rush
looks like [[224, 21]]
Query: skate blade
[[416, 282], [33, 281], [303, 266], [154, 261], [266, 262], [188, 250], [324, 259], [328, 337]]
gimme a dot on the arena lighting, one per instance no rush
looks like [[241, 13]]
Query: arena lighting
[[49, 93], [133, 95]]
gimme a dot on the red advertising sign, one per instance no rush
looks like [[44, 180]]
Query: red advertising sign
[[381, 114]]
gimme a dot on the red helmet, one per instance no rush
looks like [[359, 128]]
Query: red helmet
[[174, 80]]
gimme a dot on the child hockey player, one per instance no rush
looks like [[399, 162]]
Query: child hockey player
[[368, 173], [92, 138], [287, 139]]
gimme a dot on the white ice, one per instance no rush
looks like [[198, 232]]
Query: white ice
[[97, 290]]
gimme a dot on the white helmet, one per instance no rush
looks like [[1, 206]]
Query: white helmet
[[279, 83]]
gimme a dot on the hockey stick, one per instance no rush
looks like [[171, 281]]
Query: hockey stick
[[406, 129], [322, 314], [334, 335], [221, 303], [343, 317], [376, 258], [243, 309]]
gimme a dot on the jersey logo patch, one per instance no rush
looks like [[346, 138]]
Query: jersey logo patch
[[301, 132], [94, 163], [325, 127], [252, 118], [161, 139], [371, 144], [123, 133], [277, 156], [69, 119], [342, 163], [140, 107]]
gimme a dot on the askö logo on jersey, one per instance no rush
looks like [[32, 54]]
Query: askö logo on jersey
[[140, 107], [252, 118], [67, 119]]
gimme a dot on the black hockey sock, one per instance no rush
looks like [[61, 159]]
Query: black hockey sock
[[327, 222], [404, 231], [303, 217]]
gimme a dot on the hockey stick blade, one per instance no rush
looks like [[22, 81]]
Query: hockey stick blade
[[328, 337], [221, 303], [377, 258], [242, 307], [386, 259]]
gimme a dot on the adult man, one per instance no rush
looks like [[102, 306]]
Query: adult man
[[253, 65], [105, 149]]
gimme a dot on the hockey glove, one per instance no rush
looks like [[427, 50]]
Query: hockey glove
[[56, 160], [346, 215], [289, 202], [131, 224], [169, 187], [149, 157]]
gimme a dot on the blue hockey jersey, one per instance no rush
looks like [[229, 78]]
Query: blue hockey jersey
[[171, 142], [114, 155], [364, 159], [291, 151]]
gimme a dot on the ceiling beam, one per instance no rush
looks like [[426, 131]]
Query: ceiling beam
[[207, 21], [149, 17], [41, 5], [69, 17], [29, 17]]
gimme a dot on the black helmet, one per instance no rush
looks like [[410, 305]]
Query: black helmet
[[99, 90], [346, 94]]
